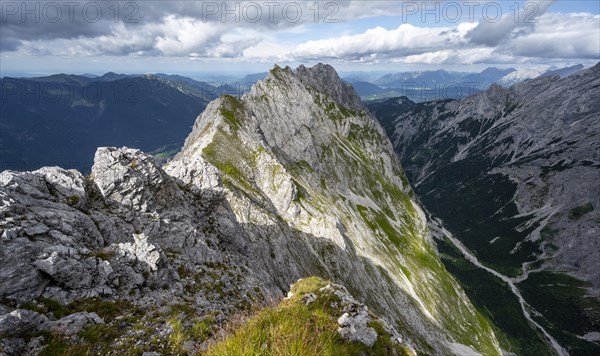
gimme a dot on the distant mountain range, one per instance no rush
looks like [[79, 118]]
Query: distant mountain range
[[424, 86], [201, 88], [488, 75], [61, 119], [428, 78], [562, 72], [251, 79]]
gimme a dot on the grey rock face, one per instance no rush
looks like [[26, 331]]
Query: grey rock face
[[68, 271], [133, 180], [353, 327], [542, 135], [513, 173], [324, 79], [141, 250], [53, 234], [12, 346], [39, 218], [289, 151], [72, 324], [34, 346], [20, 321]]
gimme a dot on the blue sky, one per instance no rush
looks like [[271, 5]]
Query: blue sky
[[192, 37]]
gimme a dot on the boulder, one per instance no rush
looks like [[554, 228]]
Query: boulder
[[20, 321], [72, 324], [354, 326], [65, 270]]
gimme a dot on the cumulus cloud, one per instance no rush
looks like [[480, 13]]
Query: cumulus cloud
[[512, 24], [36, 20], [454, 56], [27, 21], [9, 44], [171, 36], [551, 36], [559, 36], [379, 42], [181, 36]]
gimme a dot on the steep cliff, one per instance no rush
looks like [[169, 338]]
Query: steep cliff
[[513, 174]]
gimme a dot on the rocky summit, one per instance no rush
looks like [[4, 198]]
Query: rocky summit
[[294, 179]]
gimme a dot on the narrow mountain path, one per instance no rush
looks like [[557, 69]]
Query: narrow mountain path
[[471, 258]]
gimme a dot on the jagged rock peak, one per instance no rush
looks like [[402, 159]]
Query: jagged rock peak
[[293, 158], [133, 179], [499, 94], [324, 79], [497, 88]]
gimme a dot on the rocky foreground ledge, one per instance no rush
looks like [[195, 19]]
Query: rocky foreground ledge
[[316, 317], [78, 266]]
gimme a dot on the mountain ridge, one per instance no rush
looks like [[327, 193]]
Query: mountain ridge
[[302, 149], [285, 182]]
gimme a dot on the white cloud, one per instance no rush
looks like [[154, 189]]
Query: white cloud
[[266, 51], [180, 36], [454, 56], [552, 36], [176, 29], [172, 37], [559, 36], [379, 42], [135, 16], [510, 25]]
